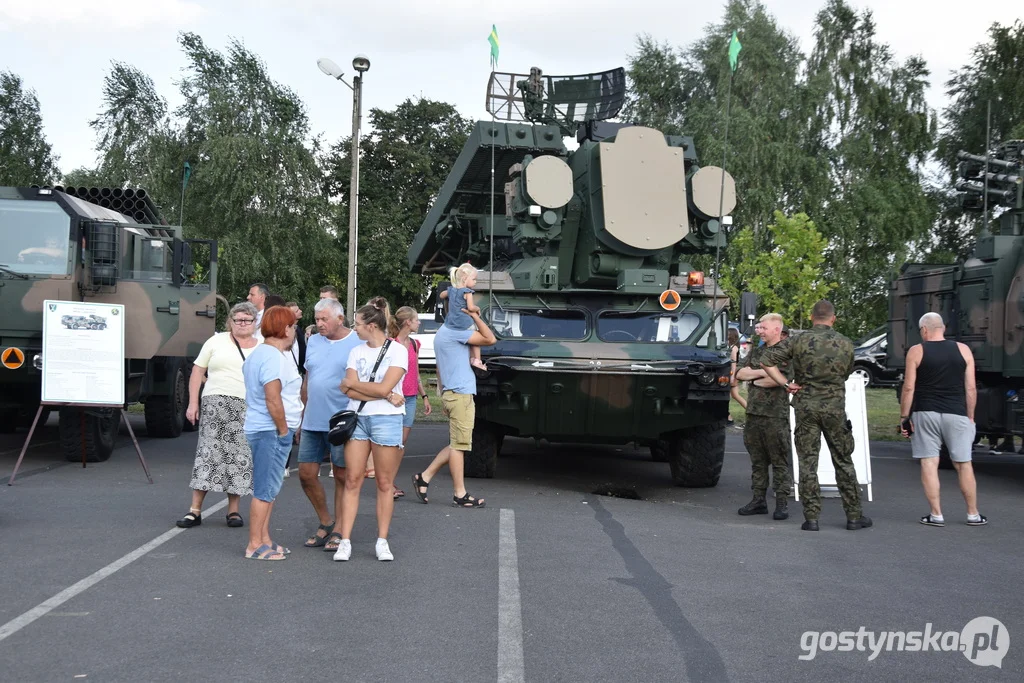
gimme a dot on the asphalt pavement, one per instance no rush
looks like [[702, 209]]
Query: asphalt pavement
[[552, 581]]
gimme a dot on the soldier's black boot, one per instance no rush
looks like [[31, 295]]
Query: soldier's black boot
[[859, 523], [810, 525], [781, 508], [757, 506]]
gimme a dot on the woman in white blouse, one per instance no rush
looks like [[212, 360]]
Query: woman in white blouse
[[223, 459], [373, 384]]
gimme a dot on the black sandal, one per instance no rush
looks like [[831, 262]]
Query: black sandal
[[235, 520], [331, 539], [320, 541], [467, 501], [418, 483], [190, 520]]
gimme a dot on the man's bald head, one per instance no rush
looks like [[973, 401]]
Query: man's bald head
[[931, 322]]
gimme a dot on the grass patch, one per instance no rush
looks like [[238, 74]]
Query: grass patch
[[883, 413]]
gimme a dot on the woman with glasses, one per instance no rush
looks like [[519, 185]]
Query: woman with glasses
[[223, 459]]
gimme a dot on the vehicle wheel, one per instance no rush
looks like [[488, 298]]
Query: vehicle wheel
[[695, 457], [482, 461], [945, 462], [659, 451], [165, 415], [94, 429], [864, 374]]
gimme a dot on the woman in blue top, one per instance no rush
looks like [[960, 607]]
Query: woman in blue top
[[273, 410], [460, 296]]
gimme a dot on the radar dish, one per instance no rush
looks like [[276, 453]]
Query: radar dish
[[562, 100]]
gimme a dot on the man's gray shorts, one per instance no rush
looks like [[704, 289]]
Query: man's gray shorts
[[931, 430]]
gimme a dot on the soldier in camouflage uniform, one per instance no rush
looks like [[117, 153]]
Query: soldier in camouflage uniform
[[821, 359], [766, 434]]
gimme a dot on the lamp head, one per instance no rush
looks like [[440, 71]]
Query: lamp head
[[330, 68], [361, 63]]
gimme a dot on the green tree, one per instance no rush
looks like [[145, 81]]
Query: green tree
[[404, 160], [26, 158], [869, 134], [788, 275]]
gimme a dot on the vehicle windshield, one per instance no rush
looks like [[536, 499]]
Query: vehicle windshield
[[646, 327], [538, 323], [34, 237]]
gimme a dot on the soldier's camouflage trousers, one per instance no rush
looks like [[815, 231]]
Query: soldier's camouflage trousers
[[810, 425], [768, 442]]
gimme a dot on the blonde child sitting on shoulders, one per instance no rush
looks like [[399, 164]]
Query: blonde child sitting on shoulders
[[460, 296]]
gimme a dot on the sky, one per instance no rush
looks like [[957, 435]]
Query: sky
[[436, 49]]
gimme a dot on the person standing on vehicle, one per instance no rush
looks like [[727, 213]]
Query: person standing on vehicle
[[937, 406], [822, 360], [766, 433]]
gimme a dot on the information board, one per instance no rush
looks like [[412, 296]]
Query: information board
[[857, 414], [83, 353]]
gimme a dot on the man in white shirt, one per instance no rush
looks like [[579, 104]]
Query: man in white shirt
[[258, 293]]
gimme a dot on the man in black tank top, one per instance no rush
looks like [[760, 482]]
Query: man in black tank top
[[937, 406]]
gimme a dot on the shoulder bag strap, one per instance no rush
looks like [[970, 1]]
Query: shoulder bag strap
[[373, 373], [237, 346]]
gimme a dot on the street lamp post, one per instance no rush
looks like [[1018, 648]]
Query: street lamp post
[[361, 64]]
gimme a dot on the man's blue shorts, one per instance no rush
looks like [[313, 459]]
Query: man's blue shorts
[[313, 445]]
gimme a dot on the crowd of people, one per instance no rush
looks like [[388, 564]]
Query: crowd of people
[[265, 385], [809, 374]]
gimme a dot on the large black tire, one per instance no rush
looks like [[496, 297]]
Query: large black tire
[[482, 461], [165, 415], [96, 428], [695, 457], [659, 451]]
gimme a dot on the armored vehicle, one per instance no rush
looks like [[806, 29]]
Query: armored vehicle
[[606, 333], [102, 245], [981, 299]]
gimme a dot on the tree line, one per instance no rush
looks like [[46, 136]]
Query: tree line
[[831, 152]]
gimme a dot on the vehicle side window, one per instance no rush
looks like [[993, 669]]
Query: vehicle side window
[[428, 326]]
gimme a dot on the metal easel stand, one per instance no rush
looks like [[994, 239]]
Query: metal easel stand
[[35, 421]]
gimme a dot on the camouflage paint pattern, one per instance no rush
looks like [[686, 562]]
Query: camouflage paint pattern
[[163, 321], [981, 299]]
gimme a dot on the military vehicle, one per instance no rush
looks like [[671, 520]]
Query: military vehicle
[[102, 245], [981, 299], [606, 333]]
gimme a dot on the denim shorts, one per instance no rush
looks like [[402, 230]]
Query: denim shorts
[[383, 430], [269, 456], [313, 445], [410, 411]]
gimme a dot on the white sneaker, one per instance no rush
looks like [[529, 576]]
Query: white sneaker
[[384, 550], [331, 475], [344, 551], [287, 473]]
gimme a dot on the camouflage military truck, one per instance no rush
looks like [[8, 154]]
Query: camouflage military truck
[[606, 333], [102, 245], [982, 298]]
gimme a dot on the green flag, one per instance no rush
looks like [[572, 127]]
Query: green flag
[[188, 174], [734, 51], [493, 40]]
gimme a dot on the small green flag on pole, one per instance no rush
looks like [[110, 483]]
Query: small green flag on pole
[[188, 174], [493, 40], [734, 51]]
